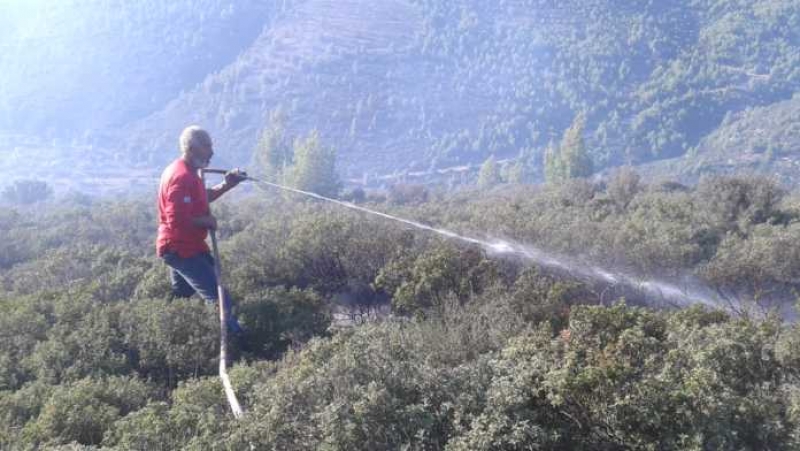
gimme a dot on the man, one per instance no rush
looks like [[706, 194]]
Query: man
[[184, 220]]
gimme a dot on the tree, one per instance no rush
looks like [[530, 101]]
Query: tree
[[739, 202], [574, 156], [570, 159], [553, 171], [521, 171], [623, 187], [489, 174], [27, 192], [515, 173], [315, 166], [273, 153]]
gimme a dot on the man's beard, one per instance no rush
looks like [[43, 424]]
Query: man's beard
[[199, 163]]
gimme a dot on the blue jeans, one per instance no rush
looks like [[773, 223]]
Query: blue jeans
[[196, 275]]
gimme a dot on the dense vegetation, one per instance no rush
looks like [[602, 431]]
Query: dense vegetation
[[363, 333], [501, 78], [481, 352], [399, 85], [761, 139]]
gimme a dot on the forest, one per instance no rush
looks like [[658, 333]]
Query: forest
[[367, 334], [404, 86], [504, 78]]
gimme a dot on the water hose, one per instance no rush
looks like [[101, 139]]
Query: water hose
[[236, 408]]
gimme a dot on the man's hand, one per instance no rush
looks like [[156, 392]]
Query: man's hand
[[234, 177], [205, 222]]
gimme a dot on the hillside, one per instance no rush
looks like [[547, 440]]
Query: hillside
[[463, 80], [323, 62], [73, 69], [763, 140], [393, 85]]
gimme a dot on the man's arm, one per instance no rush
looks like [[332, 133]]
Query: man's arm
[[205, 222], [217, 191], [232, 178]]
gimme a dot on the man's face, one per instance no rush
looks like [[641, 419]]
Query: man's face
[[201, 155]]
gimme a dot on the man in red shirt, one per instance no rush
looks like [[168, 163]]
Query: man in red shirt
[[184, 220]]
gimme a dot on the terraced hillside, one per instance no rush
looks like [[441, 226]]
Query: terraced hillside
[[414, 85], [396, 85], [325, 61]]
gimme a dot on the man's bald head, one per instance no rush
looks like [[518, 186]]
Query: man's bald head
[[196, 146], [194, 136]]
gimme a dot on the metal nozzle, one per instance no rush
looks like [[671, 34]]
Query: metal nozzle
[[215, 171], [242, 174]]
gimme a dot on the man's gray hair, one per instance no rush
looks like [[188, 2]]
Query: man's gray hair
[[193, 136]]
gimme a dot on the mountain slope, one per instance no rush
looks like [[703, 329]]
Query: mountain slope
[[413, 85], [72, 68], [762, 139], [399, 85], [315, 61]]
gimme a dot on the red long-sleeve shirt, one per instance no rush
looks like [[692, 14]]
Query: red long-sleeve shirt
[[181, 197]]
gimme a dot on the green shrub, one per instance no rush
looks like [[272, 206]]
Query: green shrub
[[82, 411], [278, 318]]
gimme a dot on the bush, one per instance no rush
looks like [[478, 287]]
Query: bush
[[370, 389], [277, 319], [19, 407], [627, 378], [171, 341], [427, 281], [82, 411], [86, 340], [759, 268], [403, 194], [479, 353], [737, 203]]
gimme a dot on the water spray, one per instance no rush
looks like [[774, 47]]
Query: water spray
[[672, 294]]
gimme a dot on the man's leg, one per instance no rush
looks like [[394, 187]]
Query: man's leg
[[180, 287], [198, 273], [233, 322]]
